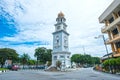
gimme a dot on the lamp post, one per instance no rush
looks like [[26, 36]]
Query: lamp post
[[105, 48], [104, 43]]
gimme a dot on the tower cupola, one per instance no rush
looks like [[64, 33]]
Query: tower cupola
[[60, 14], [60, 18]]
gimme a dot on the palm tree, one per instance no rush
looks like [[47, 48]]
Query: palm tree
[[24, 59]]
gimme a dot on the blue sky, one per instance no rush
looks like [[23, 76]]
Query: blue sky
[[7, 24], [28, 24]]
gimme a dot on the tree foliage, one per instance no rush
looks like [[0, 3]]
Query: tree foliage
[[58, 64], [8, 53], [31, 62], [112, 65], [96, 60], [43, 54], [85, 59], [24, 58], [76, 58], [118, 61]]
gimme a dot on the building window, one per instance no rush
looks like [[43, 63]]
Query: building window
[[64, 28], [61, 19], [67, 56], [57, 40], [65, 42], [117, 44], [55, 57], [62, 56], [111, 20], [115, 31]]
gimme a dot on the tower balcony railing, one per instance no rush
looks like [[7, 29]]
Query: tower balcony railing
[[115, 22]]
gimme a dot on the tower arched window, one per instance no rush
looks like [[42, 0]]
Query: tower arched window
[[65, 42], [57, 41], [64, 28]]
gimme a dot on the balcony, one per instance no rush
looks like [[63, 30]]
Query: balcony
[[115, 36], [115, 39], [106, 28]]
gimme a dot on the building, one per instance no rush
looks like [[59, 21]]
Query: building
[[8, 63], [60, 42], [111, 18]]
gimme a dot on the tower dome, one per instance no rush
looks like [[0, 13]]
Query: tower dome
[[60, 14]]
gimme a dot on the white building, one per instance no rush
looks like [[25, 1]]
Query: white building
[[8, 63], [60, 43]]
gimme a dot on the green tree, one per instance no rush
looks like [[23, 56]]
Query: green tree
[[84, 59], [96, 60], [24, 58], [118, 61], [43, 55], [87, 59], [49, 63], [112, 65], [58, 64], [75, 58], [49, 55], [8, 53], [78, 59], [31, 62]]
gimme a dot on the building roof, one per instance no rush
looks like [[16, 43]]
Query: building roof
[[114, 6]]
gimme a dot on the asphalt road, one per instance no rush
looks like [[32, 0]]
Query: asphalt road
[[80, 74]]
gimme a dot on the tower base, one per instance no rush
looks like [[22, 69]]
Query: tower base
[[63, 57]]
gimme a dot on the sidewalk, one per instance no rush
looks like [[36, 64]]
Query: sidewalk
[[108, 72]]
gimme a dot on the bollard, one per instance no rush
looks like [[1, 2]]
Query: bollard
[[0, 72]]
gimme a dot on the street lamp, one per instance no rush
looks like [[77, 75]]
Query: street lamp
[[104, 43], [105, 47]]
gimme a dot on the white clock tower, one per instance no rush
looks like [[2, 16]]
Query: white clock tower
[[60, 43]]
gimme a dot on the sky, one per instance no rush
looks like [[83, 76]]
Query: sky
[[28, 24]]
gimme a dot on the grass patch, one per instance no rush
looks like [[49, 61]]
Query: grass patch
[[1, 69]]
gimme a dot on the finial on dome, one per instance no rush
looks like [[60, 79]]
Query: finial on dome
[[60, 14]]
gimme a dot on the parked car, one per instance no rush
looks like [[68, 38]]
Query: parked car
[[40, 67], [15, 67]]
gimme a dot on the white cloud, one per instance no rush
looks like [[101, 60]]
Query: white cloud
[[36, 19]]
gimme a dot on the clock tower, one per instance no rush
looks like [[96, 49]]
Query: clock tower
[[60, 43]]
